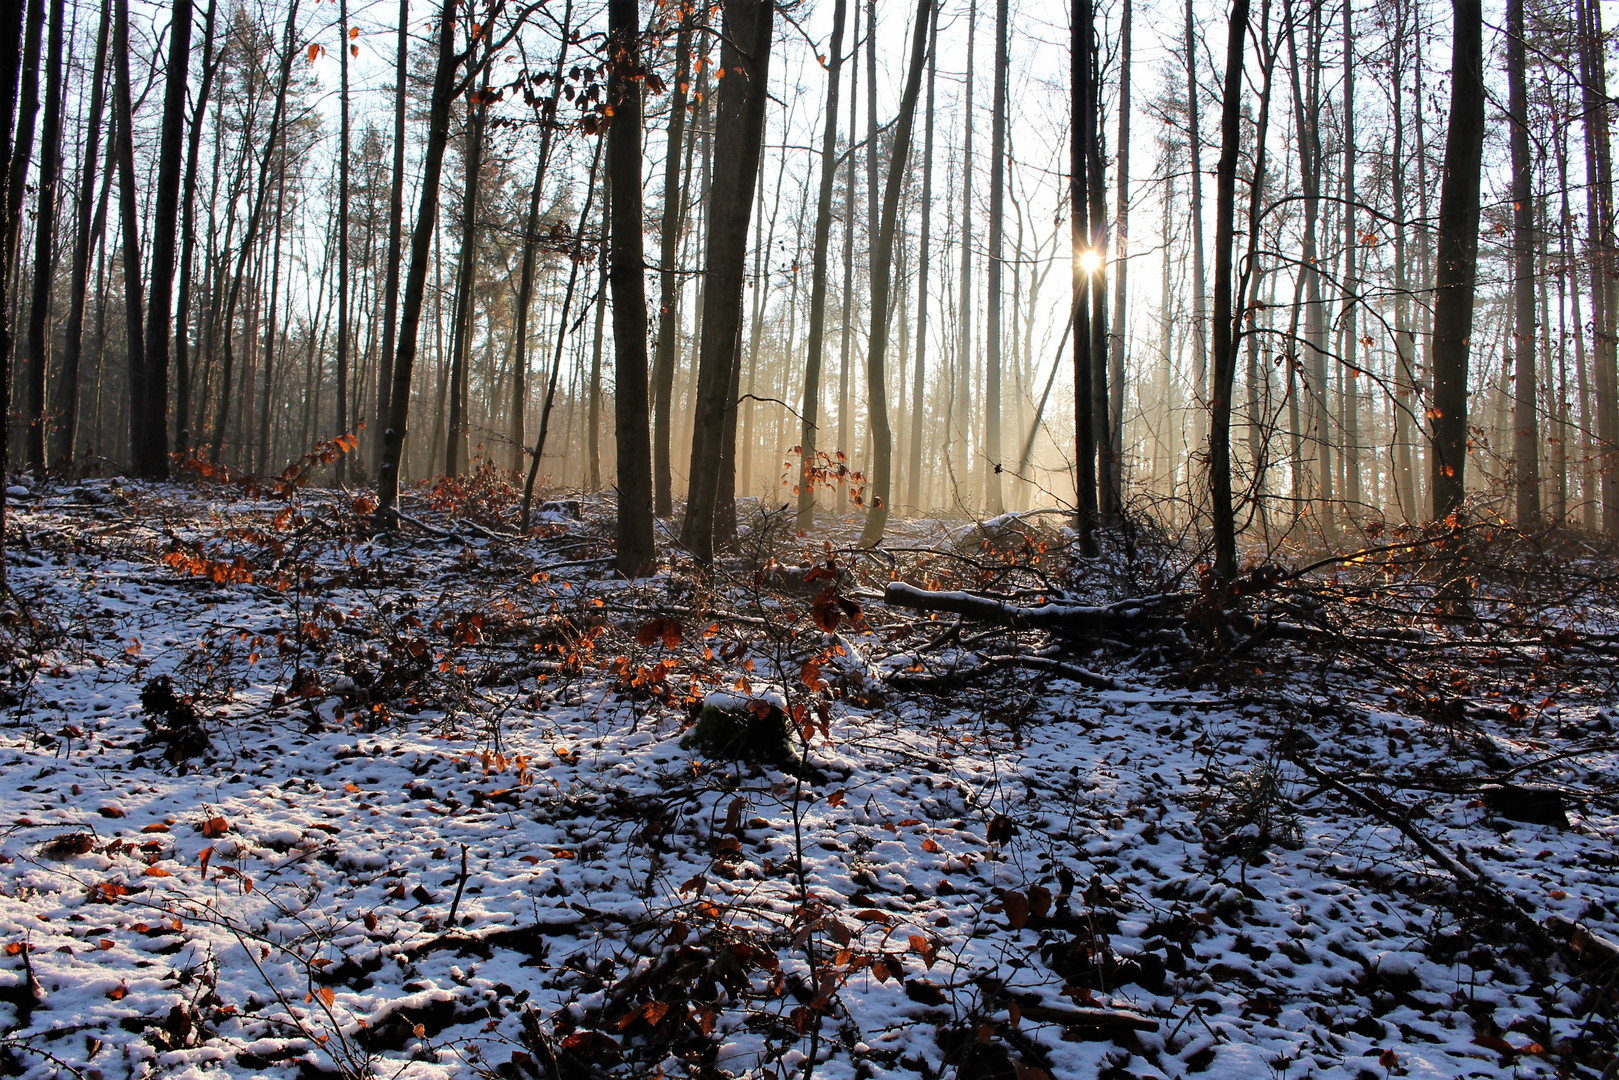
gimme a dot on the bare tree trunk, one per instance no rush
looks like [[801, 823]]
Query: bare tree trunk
[[562, 336], [342, 242], [149, 398], [250, 240], [1526, 440], [593, 446], [1306, 108], [270, 326], [396, 214], [1599, 196], [1200, 346], [1350, 389], [421, 242], [881, 264], [636, 551], [39, 308], [1405, 378], [67, 387], [816, 345], [913, 494], [1107, 497], [674, 222], [961, 422], [1457, 258], [1113, 482], [11, 24], [738, 139], [1082, 124], [129, 214], [188, 247], [456, 449], [992, 318], [1225, 318], [22, 151], [847, 305], [525, 287]]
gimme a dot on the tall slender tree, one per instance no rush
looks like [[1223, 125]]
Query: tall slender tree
[[815, 347], [149, 401], [673, 223], [992, 313], [882, 437], [188, 248], [66, 396], [396, 215], [1526, 441], [636, 551], [1113, 483], [913, 495], [344, 49], [45, 240], [1457, 257], [738, 145], [421, 242]]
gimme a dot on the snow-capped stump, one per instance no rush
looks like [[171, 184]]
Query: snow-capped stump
[[1530, 803], [731, 728]]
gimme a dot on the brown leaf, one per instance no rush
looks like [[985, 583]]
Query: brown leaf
[[1017, 909]]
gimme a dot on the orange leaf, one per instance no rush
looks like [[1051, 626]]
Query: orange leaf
[[157, 871], [326, 995]]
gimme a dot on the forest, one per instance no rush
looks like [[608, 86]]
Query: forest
[[570, 539]]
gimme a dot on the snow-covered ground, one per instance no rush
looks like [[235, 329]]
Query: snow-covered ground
[[452, 822]]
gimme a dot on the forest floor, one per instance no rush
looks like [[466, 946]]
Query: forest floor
[[283, 800]]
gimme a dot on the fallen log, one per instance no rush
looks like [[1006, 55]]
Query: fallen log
[[1123, 617]]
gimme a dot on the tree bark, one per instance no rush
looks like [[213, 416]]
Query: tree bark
[[1083, 119], [250, 239], [1225, 321], [129, 214], [1526, 441], [67, 387], [340, 466], [738, 144], [1200, 329], [456, 443], [1457, 251], [809, 437], [50, 156], [674, 222], [637, 554], [961, 420], [882, 439], [421, 242], [562, 338], [22, 150], [188, 247], [1599, 203], [1113, 482], [149, 399], [992, 317], [11, 25], [913, 494], [396, 214], [525, 286]]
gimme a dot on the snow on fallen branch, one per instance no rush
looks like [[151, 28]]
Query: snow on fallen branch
[[1123, 616]]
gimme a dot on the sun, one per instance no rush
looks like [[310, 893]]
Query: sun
[[1090, 261]]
